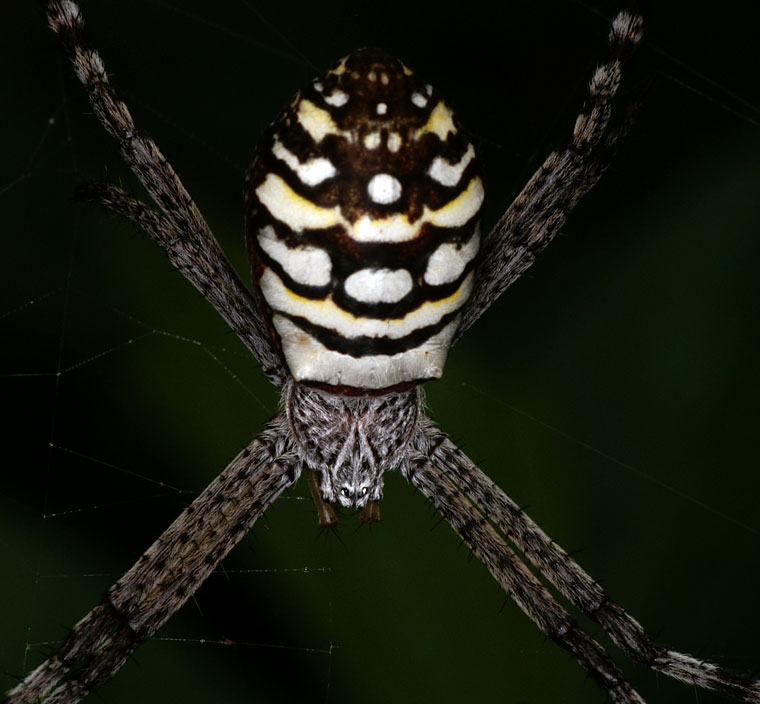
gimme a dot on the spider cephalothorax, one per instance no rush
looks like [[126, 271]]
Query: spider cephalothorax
[[351, 441]]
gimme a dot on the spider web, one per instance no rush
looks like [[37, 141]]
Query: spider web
[[613, 390]]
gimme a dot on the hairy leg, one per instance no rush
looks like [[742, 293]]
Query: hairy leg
[[167, 574], [192, 240], [570, 579], [540, 210], [516, 579]]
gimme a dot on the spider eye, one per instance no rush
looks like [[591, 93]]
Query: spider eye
[[345, 492]]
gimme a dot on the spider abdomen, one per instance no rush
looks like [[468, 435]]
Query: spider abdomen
[[362, 210]]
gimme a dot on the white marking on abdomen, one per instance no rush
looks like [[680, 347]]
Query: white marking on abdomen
[[379, 285], [309, 266], [440, 122], [337, 98], [299, 213], [327, 314], [372, 140], [384, 188], [419, 100], [318, 122], [448, 174], [449, 260], [310, 172], [310, 360], [458, 211]]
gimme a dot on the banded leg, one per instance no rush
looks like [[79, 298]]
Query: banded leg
[[166, 575], [206, 268], [540, 210], [516, 579], [570, 579], [181, 230]]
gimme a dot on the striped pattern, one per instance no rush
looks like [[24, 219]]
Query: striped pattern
[[362, 205]]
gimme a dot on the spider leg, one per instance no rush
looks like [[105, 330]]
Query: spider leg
[[204, 267], [540, 210], [192, 239], [570, 579], [516, 579], [325, 511], [167, 574]]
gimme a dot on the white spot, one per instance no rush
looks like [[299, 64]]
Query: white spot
[[449, 174], [309, 266], [337, 98], [449, 260], [419, 100], [428, 89], [318, 86], [309, 360], [379, 285], [384, 189], [394, 141], [372, 76], [381, 108], [310, 172], [327, 314], [384, 79], [372, 140]]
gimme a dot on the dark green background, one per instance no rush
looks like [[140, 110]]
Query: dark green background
[[613, 391]]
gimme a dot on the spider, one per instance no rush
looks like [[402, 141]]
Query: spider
[[276, 460]]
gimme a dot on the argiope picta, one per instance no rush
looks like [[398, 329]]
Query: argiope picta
[[277, 460]]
